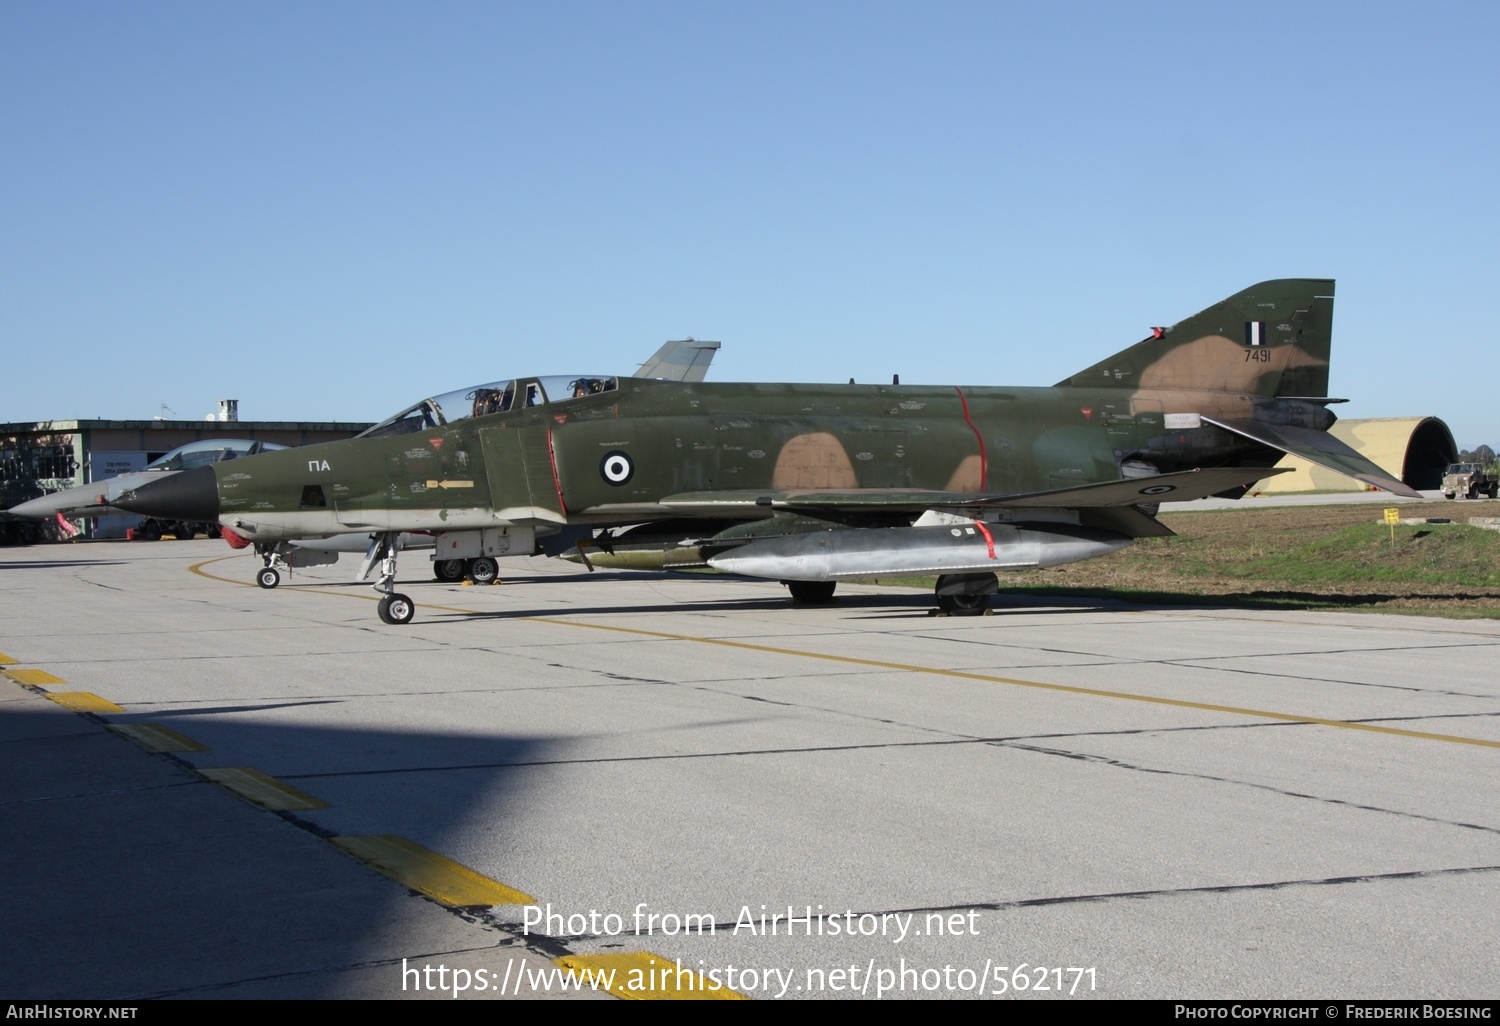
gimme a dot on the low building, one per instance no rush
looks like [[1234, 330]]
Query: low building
[[40, 458]]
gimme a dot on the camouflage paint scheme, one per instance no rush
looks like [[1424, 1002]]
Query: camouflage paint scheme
[[1223, 393]]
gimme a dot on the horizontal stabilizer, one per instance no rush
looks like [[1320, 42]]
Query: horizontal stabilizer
[[1178, 487], [1318, 447]]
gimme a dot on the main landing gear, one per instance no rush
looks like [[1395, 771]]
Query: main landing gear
[[956, 594], [394, 608], [449, 571], [964, 594], [479, 570], [811, 593]]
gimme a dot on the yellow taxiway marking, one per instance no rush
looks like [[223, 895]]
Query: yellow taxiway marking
[[643, 976], [83, 701], [32, 678], [157, 739], [265, 791], [6, 660], [1179, 703], [986, 678], [437, 877]]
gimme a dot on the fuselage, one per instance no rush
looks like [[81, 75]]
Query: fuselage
[[612, 457]]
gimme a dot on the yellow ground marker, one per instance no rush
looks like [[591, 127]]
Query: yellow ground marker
[[83, 701], [6, 660], [33, 678], [263, 790], [157, 739], [643, 976], [437, 877]]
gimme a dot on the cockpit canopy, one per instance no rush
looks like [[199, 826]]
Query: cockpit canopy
[[210, 450], [494, 397]]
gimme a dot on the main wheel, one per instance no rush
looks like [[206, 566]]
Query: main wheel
[[963, 605], [812, 593], [185, 532], [397, 609], [449, 570], [965, 594], [150, 530], [268, 577], [483, 570]]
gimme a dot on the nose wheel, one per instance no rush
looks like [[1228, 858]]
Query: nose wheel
[[396, 608], [273, 561]]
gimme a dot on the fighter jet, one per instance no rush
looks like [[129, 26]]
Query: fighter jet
[[811, 484], [97, 498]]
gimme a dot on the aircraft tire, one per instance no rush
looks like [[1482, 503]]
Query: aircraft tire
[[185, 532], [812, 593], [450, 571], [965, 594], [150, 530], [267, 577], [483, 570], [397, 609], [963, 605]]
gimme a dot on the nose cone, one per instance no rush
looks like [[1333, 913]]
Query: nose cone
[[190, 495], [50, 504]]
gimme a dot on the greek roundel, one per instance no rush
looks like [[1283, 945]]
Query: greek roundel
[[616, 468]]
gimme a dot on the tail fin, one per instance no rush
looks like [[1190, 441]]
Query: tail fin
[[1272, 339]]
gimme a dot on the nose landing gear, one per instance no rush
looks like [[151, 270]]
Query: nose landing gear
[[394, 608]]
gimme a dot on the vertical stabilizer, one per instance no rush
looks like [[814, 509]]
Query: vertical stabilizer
[[1273, 339]]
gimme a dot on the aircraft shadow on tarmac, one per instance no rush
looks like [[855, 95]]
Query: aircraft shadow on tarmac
[[176, 888], [1260, 600], [53, 564]]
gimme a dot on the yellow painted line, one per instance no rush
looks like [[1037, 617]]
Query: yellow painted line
[[157, 739], [263, 790], [84, 702], [1064, 688], [437, 877], [987, 678], [32, 678], [6, 660], [643, 976]]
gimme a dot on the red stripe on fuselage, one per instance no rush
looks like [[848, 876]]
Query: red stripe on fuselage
[[984, 463], [556, 481]]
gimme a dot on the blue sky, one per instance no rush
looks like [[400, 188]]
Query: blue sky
[[328, 210]]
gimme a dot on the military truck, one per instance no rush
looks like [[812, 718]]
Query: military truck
[[1469, 481]]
